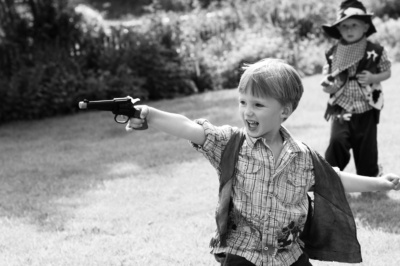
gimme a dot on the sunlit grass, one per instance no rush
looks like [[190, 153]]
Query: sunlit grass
[[79, 190]]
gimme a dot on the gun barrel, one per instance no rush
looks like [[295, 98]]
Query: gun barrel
[[105, 105], [82, 105]]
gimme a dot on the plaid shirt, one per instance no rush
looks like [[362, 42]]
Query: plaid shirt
[[269, 197], [352, 99]]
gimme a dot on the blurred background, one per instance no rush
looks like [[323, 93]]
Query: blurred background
[[54, 53]]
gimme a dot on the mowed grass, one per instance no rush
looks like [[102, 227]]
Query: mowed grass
[[79, 190]]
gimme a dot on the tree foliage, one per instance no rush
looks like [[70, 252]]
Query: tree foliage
[[54, 54]]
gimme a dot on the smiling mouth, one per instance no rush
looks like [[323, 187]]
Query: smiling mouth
[[252, 124]]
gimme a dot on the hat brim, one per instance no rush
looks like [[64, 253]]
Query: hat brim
[[332, 31]]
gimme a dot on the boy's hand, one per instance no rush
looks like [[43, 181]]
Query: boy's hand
[[134, 123], [332, 86], [365, 78], [393, 181], [325, 70]]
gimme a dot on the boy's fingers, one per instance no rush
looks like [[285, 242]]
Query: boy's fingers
[[144, 112], [134, 123], [392, 176], [395, 181], [360, 75], [143, 109], [396, 184], [128, 126]]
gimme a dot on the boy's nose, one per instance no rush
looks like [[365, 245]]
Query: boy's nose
[[248, 111]]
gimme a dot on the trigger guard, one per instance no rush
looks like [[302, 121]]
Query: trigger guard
[[120, 122]]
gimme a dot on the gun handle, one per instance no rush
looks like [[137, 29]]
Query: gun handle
[[327, 81], [137, 115]]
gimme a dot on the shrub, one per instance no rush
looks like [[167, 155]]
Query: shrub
[[56, 56], [387, 35]]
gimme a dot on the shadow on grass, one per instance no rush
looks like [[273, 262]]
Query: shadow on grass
[[377, 211]]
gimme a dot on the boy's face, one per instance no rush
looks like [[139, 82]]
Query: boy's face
[[261, 116], [352, 30]]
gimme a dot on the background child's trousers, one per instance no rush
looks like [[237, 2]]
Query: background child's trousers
[[234, 260], [359, 134]]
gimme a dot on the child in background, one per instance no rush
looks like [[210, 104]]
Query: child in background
[[264, 216], [355, 67]]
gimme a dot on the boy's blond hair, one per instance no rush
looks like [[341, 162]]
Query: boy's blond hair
[[272, 78]]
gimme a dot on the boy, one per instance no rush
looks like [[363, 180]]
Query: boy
[[357, 66], [267, 186]]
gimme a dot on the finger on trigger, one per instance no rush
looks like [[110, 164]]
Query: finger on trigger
[[128, 127]]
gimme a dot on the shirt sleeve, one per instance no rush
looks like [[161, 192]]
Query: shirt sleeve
[[384, 64], [336, 169], [216, 139]]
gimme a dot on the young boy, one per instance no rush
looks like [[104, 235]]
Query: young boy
[[356, 67], [267, 184]]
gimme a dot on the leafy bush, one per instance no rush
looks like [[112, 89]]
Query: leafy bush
[[385, 9], [52, 56], [51, 73], [387, 35]]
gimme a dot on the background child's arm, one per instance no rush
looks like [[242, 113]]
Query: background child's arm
[[358, 183], [173, 124], [366, 77]]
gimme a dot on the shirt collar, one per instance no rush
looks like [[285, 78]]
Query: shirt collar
[[287, 140]]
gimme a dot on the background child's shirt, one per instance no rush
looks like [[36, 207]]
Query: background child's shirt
[[270, 203], [352, 99]]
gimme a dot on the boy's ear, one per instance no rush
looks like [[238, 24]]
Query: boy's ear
[[366, 27], [287, 111]]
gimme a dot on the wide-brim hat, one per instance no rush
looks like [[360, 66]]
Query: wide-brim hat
[[350, 9]]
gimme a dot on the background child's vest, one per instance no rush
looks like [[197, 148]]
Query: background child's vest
[[370, 61]]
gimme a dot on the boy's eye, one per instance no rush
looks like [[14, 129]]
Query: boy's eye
[[259, 105], [242, 102], [350, 26]]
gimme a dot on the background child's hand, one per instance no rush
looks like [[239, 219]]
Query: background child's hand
[[325, 69], [136, 122], [394, 181], [332, 86], [365, 78]]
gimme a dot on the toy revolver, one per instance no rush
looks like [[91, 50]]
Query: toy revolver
[[122, 108], [329, 79]]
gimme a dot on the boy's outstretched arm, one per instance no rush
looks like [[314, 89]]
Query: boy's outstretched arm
[[173, 124], [358, 183]]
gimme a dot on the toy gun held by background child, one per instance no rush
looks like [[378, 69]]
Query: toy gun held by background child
[[122, 108], [329, 79]]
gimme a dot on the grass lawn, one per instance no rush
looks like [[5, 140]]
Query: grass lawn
[[79, 190]]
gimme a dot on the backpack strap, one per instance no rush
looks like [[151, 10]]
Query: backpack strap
[[229, 158]]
